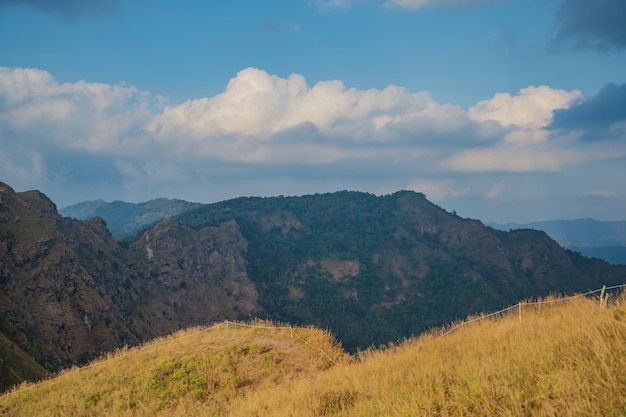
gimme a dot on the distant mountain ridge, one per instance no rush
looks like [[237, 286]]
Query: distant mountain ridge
[[594, 238], [371, 269], [125, 220]]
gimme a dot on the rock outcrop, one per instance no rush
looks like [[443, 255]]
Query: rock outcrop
[[70, 292]]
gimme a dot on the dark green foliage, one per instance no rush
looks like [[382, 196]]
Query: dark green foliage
[[411, 274]]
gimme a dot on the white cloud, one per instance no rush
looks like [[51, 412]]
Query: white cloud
[[532, 108], [89, 116], [526, 145], [265, 126], [263, 118], [258, 111]]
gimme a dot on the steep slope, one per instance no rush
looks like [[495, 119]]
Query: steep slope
[[59, 312], [199, 276], [69, 291], [374, 269]]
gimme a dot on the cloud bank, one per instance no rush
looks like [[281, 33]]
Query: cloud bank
[[607, 109], [266, 129], [593, 24]]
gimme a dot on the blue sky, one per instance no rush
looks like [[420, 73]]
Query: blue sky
[[503, 110]]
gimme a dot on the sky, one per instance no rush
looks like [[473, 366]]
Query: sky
[[500, 110]]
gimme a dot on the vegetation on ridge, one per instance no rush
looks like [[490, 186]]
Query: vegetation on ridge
[[377, 269], [561, 358]]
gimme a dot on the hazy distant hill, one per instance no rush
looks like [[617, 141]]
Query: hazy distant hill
[[125, 220], [593, 238]]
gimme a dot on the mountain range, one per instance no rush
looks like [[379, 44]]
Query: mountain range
[[371, 269], [592, 238]]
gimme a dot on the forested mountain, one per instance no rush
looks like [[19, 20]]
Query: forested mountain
[[374, 269], [370, 269]]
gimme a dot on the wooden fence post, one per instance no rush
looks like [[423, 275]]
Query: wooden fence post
[[519, 309], [602, 296]]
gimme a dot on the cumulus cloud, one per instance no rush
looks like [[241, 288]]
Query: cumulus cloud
[[532, 108], [94, 117], [528, 145], [525, 144], [267, 127], [324, 121], [68, 9], [595, 24]]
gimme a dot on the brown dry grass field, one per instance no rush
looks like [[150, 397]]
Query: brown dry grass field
[[562, 358]]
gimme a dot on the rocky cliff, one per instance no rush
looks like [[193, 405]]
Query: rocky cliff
[[59, 311], [69, 291]]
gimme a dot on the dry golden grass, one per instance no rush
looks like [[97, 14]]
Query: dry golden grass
[[198, 371], [562, 359]]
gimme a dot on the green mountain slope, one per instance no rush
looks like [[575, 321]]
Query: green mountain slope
[[377, 269]]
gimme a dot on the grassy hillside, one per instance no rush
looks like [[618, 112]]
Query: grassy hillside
[[561, 358], [198, 371]]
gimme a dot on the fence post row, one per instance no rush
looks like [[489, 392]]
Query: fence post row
[[604, 296]]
